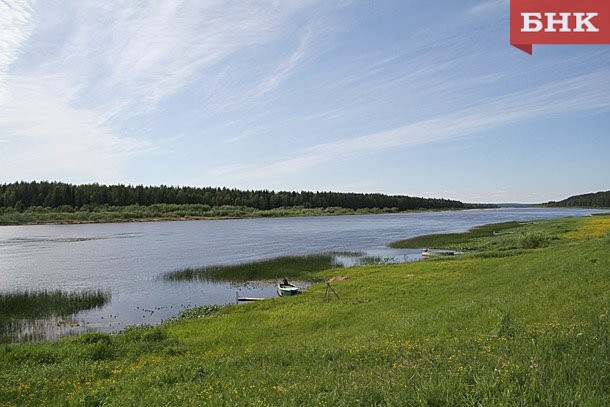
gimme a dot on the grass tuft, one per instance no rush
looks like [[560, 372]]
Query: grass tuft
[[20, 310], [47, 303], [533, 240], [300, 267]]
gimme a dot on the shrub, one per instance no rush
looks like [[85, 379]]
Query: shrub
[[143, 333], [533, 240]]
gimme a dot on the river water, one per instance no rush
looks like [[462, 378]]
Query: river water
[[127, 259]]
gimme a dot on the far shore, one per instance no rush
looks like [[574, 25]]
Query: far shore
[[28, 218]]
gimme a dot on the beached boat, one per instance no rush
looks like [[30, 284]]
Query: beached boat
[[287, 289], [426, 254]]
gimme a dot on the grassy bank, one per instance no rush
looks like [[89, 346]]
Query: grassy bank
[[458, 241], [158, 212], [500, 327]]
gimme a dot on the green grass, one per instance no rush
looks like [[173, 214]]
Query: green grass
[[455, 240], [527, 329]]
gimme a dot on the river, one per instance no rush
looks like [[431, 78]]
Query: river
[[127, 259]]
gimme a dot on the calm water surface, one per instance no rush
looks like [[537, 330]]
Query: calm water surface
[[127, 258]]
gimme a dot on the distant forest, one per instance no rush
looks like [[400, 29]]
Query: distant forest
[[594, 200], [67, 197]]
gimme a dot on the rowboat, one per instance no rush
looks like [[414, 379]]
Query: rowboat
[[427, 253], [285, 290]]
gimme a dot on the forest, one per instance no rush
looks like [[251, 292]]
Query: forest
[[593, 200], [66, 197]]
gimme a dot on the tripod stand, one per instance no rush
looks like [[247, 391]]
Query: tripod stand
[[329, 289]]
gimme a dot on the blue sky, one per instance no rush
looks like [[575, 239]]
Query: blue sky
[[400, 97]]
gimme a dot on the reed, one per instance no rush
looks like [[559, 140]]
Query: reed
[[47, 303], [24, 314], [301, 267]]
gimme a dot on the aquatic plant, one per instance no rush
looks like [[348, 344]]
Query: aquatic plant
[[204, 311], [36, 304], [23, 310], [286, 266]]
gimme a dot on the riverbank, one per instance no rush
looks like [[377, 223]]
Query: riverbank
[[163, 213], [501, 325]]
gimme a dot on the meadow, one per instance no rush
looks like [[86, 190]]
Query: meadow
[[504, 324]]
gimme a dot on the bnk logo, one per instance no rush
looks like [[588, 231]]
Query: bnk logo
[[559, 22]]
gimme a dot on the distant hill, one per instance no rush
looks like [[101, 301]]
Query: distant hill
[[593, 200]]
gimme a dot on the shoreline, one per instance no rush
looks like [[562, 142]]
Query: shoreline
[[316, 212], [494, 327]]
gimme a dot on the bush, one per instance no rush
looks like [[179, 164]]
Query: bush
[[533, 240], [143, 333]]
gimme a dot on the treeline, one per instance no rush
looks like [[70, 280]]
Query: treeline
[[67, 197], [593, 200]]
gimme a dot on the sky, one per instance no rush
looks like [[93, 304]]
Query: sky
[[405, 97]]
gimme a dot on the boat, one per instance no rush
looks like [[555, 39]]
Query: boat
[[428, 254], [287, 289]]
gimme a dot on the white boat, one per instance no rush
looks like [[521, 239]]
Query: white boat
[[287, 289]]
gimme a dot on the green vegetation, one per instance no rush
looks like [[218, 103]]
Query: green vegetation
[[481, 329], [594, 200], [18, 309], [475, 237], [45, 303], [205, 311], [533, 240], [44, 202], [299, 267], [38, 215], [303, 267]]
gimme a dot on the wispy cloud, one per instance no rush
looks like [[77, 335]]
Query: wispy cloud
[[285, 68], [15, 29], [489, 6], [146, 54], [584, 93], [112, 62], [62, 142]]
